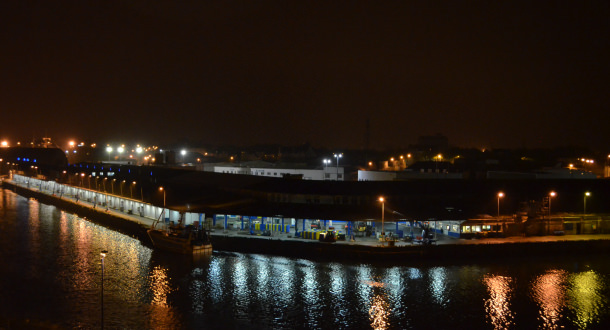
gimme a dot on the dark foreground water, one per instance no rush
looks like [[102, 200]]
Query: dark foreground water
[[50, 277]]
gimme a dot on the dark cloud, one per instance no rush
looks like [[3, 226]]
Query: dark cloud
[[244, 72]]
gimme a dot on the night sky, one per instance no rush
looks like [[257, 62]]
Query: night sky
[[496, 74]]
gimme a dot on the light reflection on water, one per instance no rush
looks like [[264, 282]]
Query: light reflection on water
[[586, 298], [549, 291], [498, 304], [52, 274]]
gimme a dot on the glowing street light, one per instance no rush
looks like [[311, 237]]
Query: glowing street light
[[109, 151], [551, 195], [163, 213], [326, 161], [587, 194], [382, 200], [338, 156], [500, 195]]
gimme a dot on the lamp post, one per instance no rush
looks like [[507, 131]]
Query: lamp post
[[338, 156], [382, 200], [587, 194], [109, 151], [131, 189], [103, 255], [500, 195], [121, 187], [163, 213], [551, 195]]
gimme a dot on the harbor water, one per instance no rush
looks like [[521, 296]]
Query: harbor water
[[51, 277]]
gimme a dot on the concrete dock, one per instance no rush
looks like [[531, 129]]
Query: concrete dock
[[366, 248]]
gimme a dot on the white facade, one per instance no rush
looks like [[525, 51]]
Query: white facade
[[331, 173]]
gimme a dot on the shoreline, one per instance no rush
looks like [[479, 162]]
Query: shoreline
[[361, 250]]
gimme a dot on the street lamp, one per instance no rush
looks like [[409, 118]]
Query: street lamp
[[121, 187], [587, 194], [163, 190], [500, 195], [338, 156], [551, 195], [131, 189], [103, 255], [183, 153], [382, 200], [326, 161], [109, 151]]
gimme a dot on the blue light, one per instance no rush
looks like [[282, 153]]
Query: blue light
[[34, 160], [18, 158]]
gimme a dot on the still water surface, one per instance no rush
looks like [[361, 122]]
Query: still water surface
[[50, 276]]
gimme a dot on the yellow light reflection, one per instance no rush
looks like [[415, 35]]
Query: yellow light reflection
[[586, 298], [497, 307], [548, 291], [160, 286], [379, 312]]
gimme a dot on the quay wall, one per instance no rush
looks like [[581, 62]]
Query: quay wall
[[95, 215], [367, 253], [290, 247]]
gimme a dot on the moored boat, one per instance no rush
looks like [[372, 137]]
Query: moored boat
[[181, 239]]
